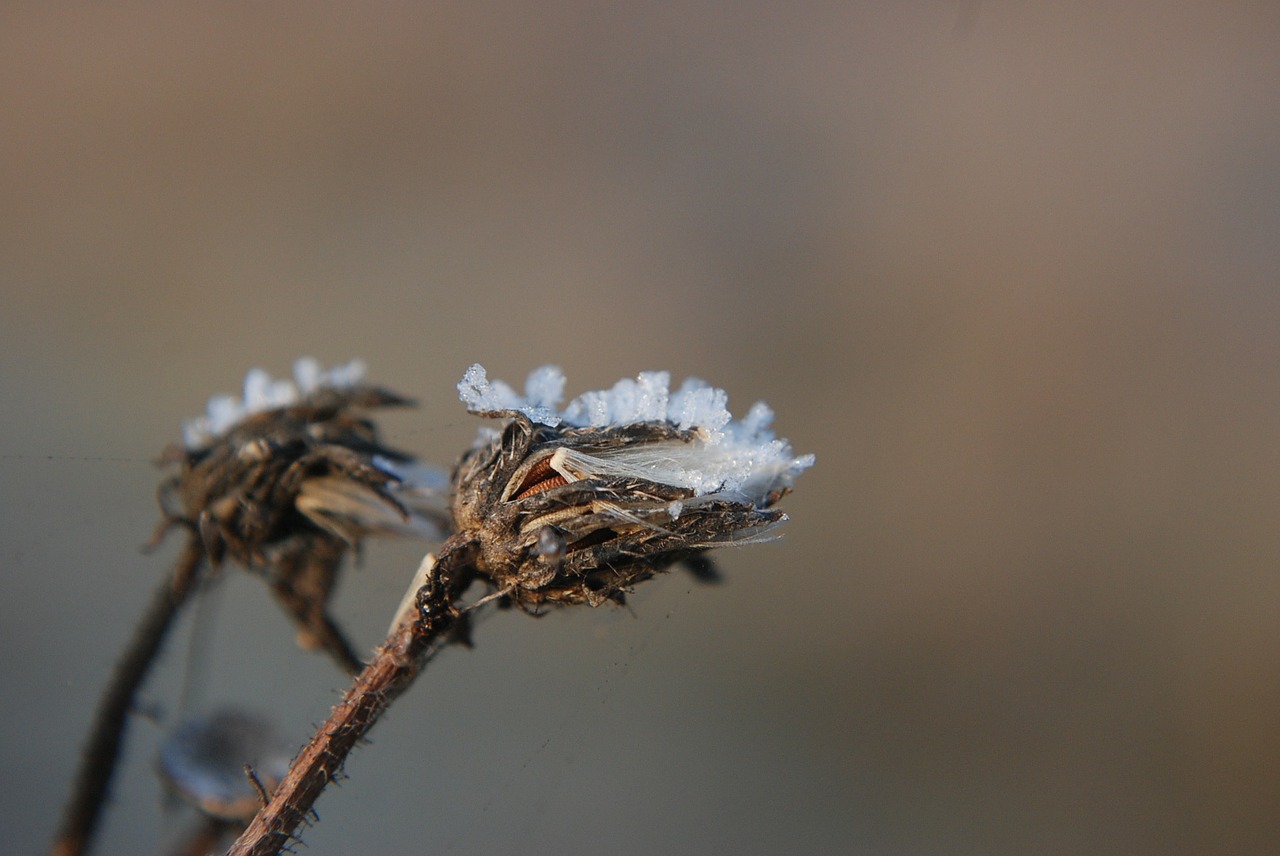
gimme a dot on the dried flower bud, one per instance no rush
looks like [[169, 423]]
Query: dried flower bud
[[290, 478], [204, 760], [576, 506]]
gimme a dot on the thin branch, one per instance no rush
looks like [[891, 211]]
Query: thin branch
[[106, 740], [393, 668]]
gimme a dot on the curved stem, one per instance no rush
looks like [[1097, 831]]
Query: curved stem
[[106, 739]]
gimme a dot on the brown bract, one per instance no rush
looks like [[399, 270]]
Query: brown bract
[[546, 529]]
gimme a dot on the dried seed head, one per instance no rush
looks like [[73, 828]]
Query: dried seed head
[[297, 464], [294, 480], [575, 506]]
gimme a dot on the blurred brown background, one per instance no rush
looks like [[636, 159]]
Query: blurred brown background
[[1009, 271]]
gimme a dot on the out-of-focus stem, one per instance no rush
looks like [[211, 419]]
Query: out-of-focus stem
[[98, 762]]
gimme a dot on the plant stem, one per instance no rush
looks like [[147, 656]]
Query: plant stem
[[394, 666], [106, 740]]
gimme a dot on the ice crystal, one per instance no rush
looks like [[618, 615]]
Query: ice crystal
[[262, 393], [721, 457]]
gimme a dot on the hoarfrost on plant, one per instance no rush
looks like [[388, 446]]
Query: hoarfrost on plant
[[725, 459], [262, 393]]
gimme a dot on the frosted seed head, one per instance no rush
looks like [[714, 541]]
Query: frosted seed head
[[290, 489], [615, 487]]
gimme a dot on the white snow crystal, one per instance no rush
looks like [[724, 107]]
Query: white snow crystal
[[262, 393], [545, 387], [543, 392], [742, 461], [644, 399]]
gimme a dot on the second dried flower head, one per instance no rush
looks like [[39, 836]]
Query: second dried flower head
[[291, 477]]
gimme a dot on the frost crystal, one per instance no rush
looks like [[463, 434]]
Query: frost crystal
[[262, 393], [742, 461], [543, 391]]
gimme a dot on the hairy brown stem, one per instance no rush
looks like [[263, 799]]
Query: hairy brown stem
[[394, 666], [106, 739]]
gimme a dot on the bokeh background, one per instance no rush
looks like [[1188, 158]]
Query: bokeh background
[[1011, 270]]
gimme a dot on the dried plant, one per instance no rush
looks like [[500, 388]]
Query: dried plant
[[288, 490], [554, 507], [284, 482], [570, 507]]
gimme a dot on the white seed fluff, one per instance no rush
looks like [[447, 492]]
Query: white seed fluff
[[741, 461]]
